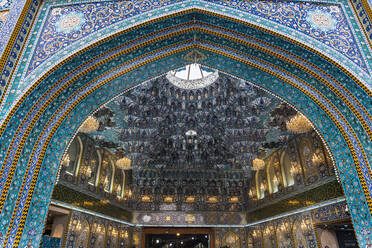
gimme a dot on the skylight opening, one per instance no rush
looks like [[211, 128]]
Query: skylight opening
[[192, 76], [192, 72]]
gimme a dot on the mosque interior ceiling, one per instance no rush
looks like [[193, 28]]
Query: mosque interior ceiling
[[222, 126], [195, 139]]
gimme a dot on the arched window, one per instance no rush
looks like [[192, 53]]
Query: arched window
[[299, 237], [287, 171], [112, 237], [107, 172], [250, 241], [269, 238], [99, 235], [90, 166], [119, 185], [283, 235], [71, 160], [124, 238], [272, 179], [260, 184], [96, 163], [257, 237], [311, 172], [82, 231]]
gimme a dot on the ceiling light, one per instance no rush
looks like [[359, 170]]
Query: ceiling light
[[299, 124], [192, 76], [258, 164], [123, 163]]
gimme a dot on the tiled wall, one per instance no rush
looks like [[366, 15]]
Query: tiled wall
[[91, 231]]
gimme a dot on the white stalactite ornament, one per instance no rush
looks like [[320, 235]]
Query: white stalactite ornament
[[90, 125]]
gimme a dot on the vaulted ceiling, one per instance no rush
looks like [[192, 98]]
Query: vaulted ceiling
[[224, 125]]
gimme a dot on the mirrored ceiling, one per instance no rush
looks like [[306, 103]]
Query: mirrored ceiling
[[193, 117]]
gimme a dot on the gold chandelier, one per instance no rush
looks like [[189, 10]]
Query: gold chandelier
[[90, 125], [316, 159], [299, 124], [293, 170], [123, 163], [258, 164]]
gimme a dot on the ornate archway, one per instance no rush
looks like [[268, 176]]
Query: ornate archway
[[36, 131]]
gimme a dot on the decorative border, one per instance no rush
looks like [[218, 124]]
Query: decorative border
[[354, 133]]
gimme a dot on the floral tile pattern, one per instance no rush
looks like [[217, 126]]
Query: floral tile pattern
[[322, 22], [3, 16], [40, 133], [70, 22], [5, 4]]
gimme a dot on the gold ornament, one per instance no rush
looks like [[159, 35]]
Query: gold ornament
[[317, 159], [90, 125], [258, 164], [299, 124]]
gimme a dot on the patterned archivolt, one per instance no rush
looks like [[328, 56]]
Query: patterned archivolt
[[135, 149]]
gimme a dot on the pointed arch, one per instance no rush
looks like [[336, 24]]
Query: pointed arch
[[261, 186], [272, 180], [107, 172], [62, 97], [269, 237], [283, 234], [72, 159], [99, 232], [286, 169], [83, 234], [306, 152]]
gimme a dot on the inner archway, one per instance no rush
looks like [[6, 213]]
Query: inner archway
[[60, 111]]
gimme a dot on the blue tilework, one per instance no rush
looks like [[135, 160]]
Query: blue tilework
[[3, 16], [330, 213], [50, 242], [89, 106], [294, 15], [329, 131], [12, 52], [17, 90], [363, 17], [347, 82]]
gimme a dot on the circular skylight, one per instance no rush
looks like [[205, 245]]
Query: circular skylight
[[193, 76], [191, 133]]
